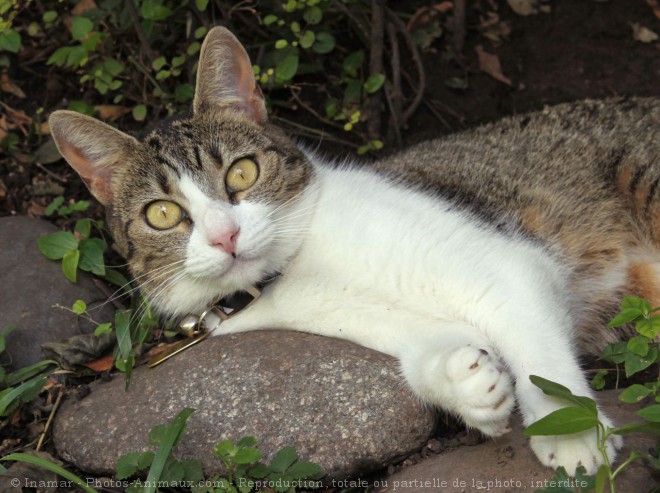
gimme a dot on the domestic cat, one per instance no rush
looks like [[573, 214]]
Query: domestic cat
[[477, 260]]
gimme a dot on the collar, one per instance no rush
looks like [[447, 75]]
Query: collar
[[197, 327]]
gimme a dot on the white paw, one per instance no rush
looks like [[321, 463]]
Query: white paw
[[573, 451], [482, 388]]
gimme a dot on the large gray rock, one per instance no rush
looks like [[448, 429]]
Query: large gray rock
[[340, 405], [507, 464], [30, 285]]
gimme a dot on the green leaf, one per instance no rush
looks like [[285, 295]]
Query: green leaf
[[10, 40], [652, 413], [353, 63], [172, 436], [269, 19], [83, 227], [247, 441], [649, 428], [79, 307], [281, 43], [635, 302], [325, 43], [564, 421], [139, 112], [649, 327], [28, 372], [616, 353], [304, 469], [105, 328], [50, 466], [81, 27], [287, 67], [70, 265], [634, 393], [23, 393], [114, 277], [353, 91], [223, 448], [283, 459], [56, 245], [124, 343], [184, 93], [153, 10], [200, 32], [193, 48], [91, 256], [313, 15], [626, 316], [601, 478], [159, 63], [54, 205], [192, 470], [556, 390], [177, 61], [259, 470], [127, 465], [247, 455], [113, 67], [374, 83], [635, 363], [638, 345], [49, 16], [201, 5], [598, 382], [307, 39]]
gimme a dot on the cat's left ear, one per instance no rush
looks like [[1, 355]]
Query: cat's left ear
[[225, 78], [95, 150]]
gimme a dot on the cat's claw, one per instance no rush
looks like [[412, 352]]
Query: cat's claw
[[484, 387], [575, 450]]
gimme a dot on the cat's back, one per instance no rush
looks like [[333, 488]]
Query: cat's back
[[545, 168], [563, 147]]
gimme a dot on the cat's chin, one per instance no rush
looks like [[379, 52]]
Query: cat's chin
[[195, 293]]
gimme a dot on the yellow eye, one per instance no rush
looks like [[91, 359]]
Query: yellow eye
[[163, 214], [241, 175]]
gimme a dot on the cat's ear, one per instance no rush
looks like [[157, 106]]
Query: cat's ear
[[225, 78], [92, 148]]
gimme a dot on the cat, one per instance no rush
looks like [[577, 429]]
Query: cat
[[477, 260]]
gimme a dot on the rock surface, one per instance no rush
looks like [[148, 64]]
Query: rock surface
[[340, 405], [30, 285], [507, 464]]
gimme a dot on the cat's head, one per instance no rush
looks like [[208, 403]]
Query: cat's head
[[206, 205]]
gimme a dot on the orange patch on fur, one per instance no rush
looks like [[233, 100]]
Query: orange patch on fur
[[643, 280]]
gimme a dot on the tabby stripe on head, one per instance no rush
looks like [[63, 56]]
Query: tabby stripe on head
[[637, 177], [198, 158], [163, 182], [651, 195], [165, 162]]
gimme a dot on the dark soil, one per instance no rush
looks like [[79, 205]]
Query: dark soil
[[581, 49]]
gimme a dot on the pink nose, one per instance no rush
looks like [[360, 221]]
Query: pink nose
[[226, 240]]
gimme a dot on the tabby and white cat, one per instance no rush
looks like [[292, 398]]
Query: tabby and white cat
[[477, 260]]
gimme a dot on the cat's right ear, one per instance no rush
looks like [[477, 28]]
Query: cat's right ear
[[225, 78], [92, 148]]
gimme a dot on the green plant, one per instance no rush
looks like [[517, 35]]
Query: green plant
[[24, 384], [640, 351], [244, 471], [582, 416], [636, 354]]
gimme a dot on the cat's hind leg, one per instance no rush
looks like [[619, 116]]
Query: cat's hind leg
[[456, 370]]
